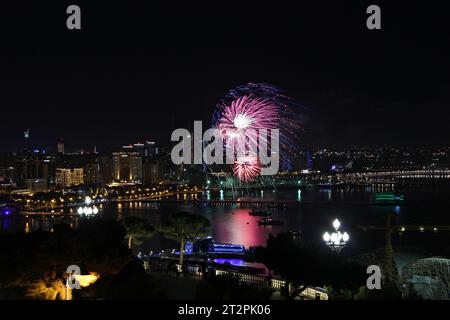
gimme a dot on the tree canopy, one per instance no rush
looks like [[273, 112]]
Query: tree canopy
[[138, 230], [182, 226]]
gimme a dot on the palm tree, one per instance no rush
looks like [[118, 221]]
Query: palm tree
[[137, 229], [182, 226]]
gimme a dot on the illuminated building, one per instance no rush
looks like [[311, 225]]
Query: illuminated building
[[77, 177], [68, 177], [208, 245], [152, 170], [37, 185], [106, 175], [146, 149], [28, 166], [63, 177], [49, 170], [27, 140], [6, 175], [60, 146], [127, 166], [92, 173]]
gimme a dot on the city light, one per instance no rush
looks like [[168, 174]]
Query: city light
[[336, 240], [242, 121], [87, 210], [336, 224], [86, 279]]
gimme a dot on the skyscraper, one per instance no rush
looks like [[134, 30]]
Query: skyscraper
[[68, 177], [146, 149], [60, 146], [106, 171], [92, 173], [63, 177], [127, 166], [27, 145], [153, 170], [77, 176]]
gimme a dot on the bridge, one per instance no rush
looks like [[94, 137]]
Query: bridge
[[281, 204], [406, 174]]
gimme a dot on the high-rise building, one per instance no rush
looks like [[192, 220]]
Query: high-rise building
[[6, 174], [63, 177], [27, 138], [60, 146], [127, 166], [77, 176], [37, 185], [68, 177], [106, 172], [153, 170], [28, 166], [49, 169], [146, 149], [92, 173]]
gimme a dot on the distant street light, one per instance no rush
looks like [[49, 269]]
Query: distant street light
[[336, 240], [88, 209]]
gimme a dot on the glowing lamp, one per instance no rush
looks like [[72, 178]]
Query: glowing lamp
[[336, 240]]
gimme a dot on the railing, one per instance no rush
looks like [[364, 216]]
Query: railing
[[197, 271], [277, 284]]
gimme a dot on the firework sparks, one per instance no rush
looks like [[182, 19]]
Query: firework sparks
[[245, 115], [248, 109], [247, 168]]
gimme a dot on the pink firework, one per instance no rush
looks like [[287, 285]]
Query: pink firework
[[245, 114], [247, 168], [245, 111], [241, 120]]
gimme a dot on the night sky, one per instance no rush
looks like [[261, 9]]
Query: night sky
[[135, 72]]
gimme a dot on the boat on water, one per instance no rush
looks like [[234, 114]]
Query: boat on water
[[388, 197], [270, 222], [259, 213], [210, 247]]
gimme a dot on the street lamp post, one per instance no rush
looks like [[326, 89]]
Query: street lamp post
[[336, 240]]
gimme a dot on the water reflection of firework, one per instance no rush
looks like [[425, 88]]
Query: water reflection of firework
[[248, 109]]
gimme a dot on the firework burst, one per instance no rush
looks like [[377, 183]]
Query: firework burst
[[247, 168], [245, 114], [248, 109]]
